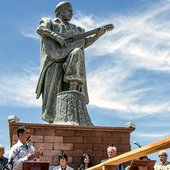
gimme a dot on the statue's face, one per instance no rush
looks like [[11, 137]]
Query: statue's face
[[66, 12]]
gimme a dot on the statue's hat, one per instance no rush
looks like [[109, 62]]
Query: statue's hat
[[58, 6]]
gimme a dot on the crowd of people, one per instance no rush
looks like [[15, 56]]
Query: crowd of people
[[23, 151]]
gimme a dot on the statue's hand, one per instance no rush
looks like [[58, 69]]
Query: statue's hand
[[60, 40], [65, 66], [102, 30]]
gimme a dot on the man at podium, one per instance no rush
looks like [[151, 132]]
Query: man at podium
[[22, 150]]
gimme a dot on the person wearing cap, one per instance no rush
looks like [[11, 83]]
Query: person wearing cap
[[62, 61], [22, 150], [164, 164], [3, 160], [62, 159]]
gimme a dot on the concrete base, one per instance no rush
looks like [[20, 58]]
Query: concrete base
[[71, 109], [74, 140]]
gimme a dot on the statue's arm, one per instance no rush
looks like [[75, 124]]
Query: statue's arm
[[44, 30], [90, 40]]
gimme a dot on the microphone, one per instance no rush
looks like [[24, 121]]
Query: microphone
[[28, 140], [136, 143]]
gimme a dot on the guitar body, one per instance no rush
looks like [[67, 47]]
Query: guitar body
[[57, 52]]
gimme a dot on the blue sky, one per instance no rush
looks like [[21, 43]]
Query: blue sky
[[128, 69]]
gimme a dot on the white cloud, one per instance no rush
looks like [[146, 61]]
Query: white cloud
[[142, 43], [83, 20], [30, 35], [144, 38], [150, 135], [19, 89], [29, 32], [158, 124], [114, 91]]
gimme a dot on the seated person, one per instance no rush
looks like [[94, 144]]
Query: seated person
[[63, 163], [111, 153], [164, 163], [86, 162], [3, 160]]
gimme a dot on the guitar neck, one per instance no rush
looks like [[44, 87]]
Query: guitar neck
[[86, 34]]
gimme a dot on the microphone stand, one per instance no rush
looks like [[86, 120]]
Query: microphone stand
[[136, 143], [11, 162]]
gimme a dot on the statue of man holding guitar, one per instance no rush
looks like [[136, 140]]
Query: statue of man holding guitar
[[62, 57]]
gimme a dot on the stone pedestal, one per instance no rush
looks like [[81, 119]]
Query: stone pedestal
[[74, 141], [71, 109]]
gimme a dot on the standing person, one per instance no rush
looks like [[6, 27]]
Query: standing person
[[111, 153], [3, 160], [62, 62], [86, 162], [164, 164], [63, 163], [22, 150]]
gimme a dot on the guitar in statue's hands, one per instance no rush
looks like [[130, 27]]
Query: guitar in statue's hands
[[80, 36], [59, 51]]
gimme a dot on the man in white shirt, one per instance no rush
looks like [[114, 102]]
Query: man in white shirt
[[164, 164], [22, 150]]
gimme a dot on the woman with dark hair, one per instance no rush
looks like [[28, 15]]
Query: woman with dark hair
[[86, 162], [63, 163]]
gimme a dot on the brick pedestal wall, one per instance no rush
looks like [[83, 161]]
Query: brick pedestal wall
[[74, 140]]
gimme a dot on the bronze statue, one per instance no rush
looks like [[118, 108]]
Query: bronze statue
[[62, 80]]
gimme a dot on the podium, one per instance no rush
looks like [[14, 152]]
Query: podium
[[36, 165], [142, 165]]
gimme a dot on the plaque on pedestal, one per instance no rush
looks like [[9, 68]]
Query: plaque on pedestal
[[142, 164], [35, 165]]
